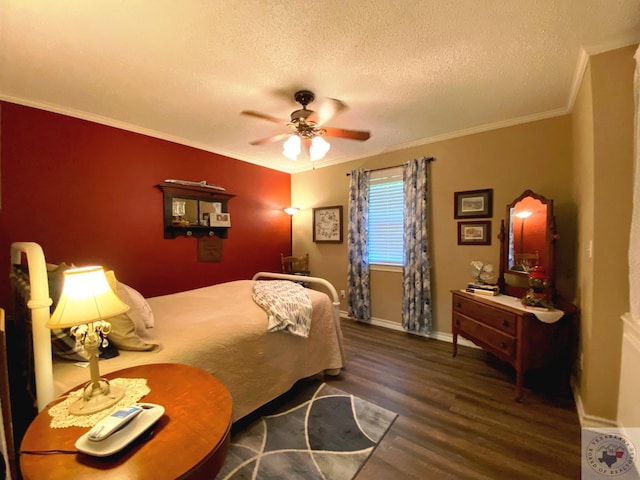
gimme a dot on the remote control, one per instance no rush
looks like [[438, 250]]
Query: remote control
[[114, 422], [124, 436]]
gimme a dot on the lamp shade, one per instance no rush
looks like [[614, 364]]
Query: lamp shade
[[319, 148], [86, 297], [291, 148]]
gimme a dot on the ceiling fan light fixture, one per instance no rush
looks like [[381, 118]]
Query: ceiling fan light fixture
[[306, 128], [319, 148], [291, 147]]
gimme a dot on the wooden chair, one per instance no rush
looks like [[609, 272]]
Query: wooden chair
[[295, 265], [5, 403]]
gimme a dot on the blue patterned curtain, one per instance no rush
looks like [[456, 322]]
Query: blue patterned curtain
[[359, 298], [416, 273]]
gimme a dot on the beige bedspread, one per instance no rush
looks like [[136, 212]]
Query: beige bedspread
[[221, 330]]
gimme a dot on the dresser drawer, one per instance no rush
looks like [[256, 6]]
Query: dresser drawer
[[497, 318], [487, 336]]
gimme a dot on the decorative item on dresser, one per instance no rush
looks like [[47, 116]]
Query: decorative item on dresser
[[508, 325]]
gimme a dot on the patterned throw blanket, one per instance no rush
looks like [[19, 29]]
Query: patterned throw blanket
[[287, 305]]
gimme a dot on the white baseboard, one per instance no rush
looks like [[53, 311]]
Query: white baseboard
[[588, 421], [379, 322]]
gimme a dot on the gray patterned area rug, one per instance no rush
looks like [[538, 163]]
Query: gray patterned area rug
[[320, 432]]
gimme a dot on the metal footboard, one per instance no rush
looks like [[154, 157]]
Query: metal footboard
[[335, 299]]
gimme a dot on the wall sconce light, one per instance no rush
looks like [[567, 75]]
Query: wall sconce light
[[291, 210]]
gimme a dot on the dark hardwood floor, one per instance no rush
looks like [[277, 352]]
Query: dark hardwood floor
[[457, 415]]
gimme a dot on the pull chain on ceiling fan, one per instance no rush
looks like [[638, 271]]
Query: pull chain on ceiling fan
[[307, 127]]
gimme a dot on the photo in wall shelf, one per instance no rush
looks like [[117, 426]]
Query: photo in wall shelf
[[219, 220], [473, 204], [474, 233], [327, 224]]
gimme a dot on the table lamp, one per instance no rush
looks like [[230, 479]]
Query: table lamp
[[86, 301]]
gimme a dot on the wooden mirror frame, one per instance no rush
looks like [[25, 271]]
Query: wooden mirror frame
[[516, 283]]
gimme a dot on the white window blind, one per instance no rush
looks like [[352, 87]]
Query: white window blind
[[386, 229]]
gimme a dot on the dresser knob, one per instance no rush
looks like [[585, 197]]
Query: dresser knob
[[458, 305], [505, 323], [503, 345], [457, 323]]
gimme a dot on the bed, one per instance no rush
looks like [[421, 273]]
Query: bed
[[218, 328]]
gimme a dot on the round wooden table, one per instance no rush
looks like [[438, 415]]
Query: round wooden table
[[190, 441]]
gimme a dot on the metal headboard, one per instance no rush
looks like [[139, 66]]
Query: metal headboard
[[38, 304]]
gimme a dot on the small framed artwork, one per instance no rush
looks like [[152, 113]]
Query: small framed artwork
[[327, 224], [473, 204], [219, 220], [474, 233]]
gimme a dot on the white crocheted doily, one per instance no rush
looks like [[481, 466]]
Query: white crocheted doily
[[135, 389]]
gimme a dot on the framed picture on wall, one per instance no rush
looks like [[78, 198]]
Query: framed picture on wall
[[473, 204], [327, 224], [474, 233]]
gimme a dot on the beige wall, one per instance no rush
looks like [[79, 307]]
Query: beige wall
[[603, 172], [508, 160], [582, 161]]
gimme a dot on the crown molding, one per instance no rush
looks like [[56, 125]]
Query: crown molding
[[581, 66], [110, 122]]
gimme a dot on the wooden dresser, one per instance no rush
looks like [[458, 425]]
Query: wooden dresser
[[512, 334]]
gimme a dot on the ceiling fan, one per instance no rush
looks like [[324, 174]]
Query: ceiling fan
[[307, 128]]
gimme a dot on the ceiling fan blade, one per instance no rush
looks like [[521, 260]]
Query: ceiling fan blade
[[272, 138], [344, 133], [328, 109], [264, 116]]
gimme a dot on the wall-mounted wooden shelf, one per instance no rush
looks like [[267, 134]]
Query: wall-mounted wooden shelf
[[196, 200]]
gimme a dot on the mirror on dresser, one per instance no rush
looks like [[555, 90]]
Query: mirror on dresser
[[527, 247]]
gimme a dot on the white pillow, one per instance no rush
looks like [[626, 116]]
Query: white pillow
[[140, 311]]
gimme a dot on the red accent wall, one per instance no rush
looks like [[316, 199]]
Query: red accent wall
[[86, 193]]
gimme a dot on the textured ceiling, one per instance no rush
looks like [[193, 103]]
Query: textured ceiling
[[411, 72]]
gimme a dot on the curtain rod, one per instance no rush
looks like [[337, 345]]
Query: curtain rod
[[430, 159]]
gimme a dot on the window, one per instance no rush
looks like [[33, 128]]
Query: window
[[386, 226]]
